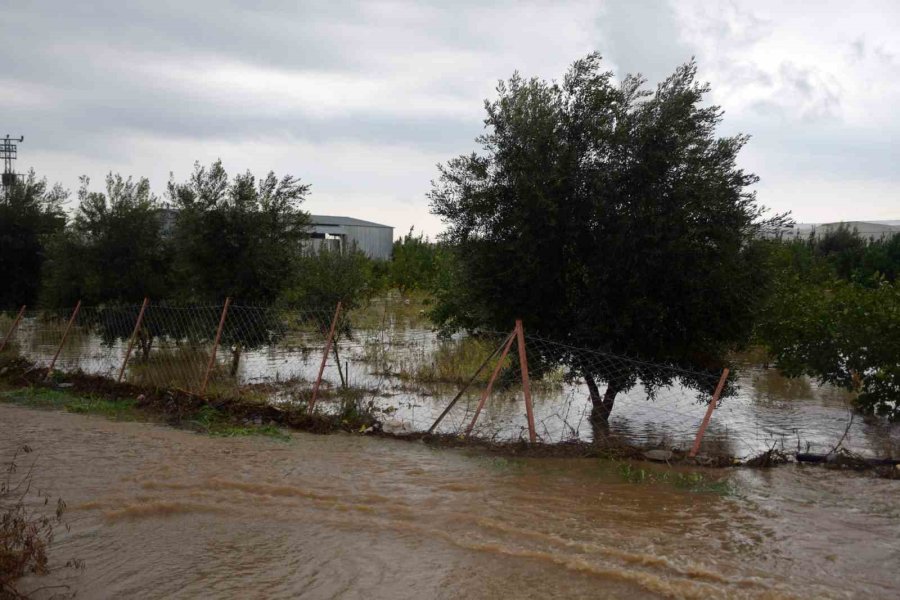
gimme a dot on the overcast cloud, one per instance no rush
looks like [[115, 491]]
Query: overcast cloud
[[363, 99]]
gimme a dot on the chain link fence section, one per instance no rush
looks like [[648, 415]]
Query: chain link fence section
[[385, 358]]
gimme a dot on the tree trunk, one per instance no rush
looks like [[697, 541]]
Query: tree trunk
[[602, 405], [337, 359], [235, 359], [146, 342]]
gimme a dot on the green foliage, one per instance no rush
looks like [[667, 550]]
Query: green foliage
[[30, 214], [113, 252], [839, 332], [842, 253], [606, 216], [238, 237], [214, 422], [328, 275], [116, 409], [835, 315], [413, 263]]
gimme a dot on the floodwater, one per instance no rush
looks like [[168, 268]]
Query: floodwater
[[159, 513], [767, 411]]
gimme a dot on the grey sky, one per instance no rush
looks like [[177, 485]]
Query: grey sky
[[363, 99]]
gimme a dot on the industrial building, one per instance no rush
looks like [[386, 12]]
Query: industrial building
[[373, 239], [338, 233]]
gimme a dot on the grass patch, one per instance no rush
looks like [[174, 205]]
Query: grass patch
[[38, 397], [206, 419], [394, 310], [214, 422], [455, 361], [691, 481], [180, 366]]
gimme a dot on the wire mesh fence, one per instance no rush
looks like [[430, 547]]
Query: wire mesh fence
[[384, 358]]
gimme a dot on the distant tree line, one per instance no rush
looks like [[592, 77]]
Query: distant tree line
[[213, 236], [210, 237]]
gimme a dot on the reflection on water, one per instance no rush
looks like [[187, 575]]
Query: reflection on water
[[768, 409], [160, 513]]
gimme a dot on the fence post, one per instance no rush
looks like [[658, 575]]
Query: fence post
[[526, 386], [65, 335], [12, 329], [212, 358], [709, 411], [315, 392], [490, 385], [137, 327]]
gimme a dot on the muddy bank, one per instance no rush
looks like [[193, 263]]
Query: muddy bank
[[180, 407]]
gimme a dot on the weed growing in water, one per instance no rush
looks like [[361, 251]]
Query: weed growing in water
[[26, 529], [214, 422], [691, 481]]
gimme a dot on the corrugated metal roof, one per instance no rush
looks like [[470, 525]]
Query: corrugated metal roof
[[339, 221]]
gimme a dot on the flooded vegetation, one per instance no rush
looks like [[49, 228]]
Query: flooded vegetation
[[387, 362]]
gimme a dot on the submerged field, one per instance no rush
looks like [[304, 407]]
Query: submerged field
[[388, 362]]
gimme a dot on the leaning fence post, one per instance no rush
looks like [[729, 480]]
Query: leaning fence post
[[315, 392], [465, 387], [490, 385], [137, 327], [65, 335], [212, 358], [709, 411], [12, 329], [526, 386]]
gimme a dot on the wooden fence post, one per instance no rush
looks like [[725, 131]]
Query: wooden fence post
[[526, 386], [12, 329], [137, 327], [490, 385], [212, 358], [709, 412], [315, 392], [65, 335]]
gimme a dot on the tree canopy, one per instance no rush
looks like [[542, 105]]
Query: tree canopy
[[113, 252], [240, 237], [835, 315], [413, 263], [609, 216], [30, 214]]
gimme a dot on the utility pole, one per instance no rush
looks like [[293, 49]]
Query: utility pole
[[8, 151]]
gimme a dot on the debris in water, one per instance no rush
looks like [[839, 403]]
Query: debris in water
[[658, 455]]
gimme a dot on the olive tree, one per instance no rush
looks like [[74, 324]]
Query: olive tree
[[608, 216], [113, 251], [238, 237]]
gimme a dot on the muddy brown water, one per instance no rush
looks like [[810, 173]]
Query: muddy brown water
[[158, 513]]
